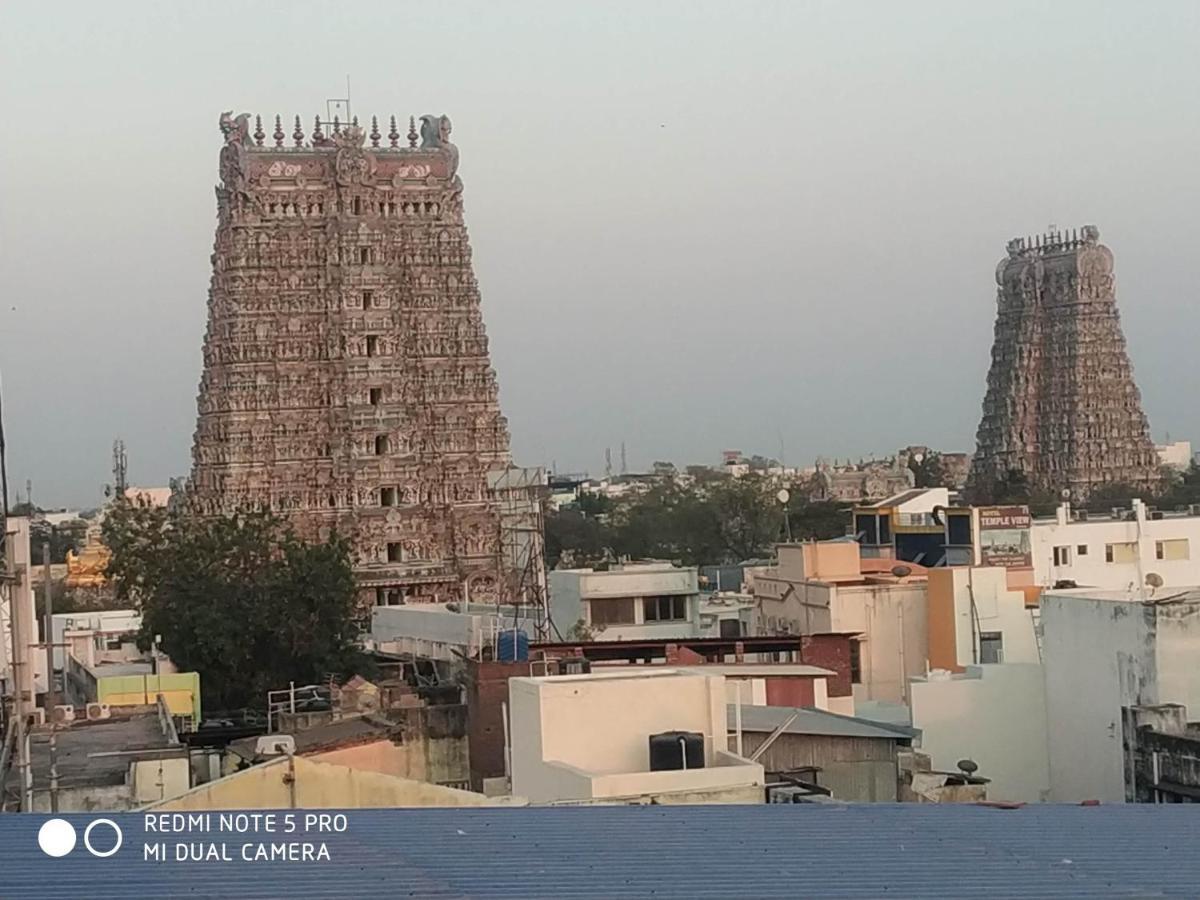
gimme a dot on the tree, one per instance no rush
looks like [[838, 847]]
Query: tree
[[581, 539], [819, 520], [748, 515], [241, 600]]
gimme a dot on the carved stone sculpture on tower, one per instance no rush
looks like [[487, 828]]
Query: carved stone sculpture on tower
[[1061, 411], [346, 380]]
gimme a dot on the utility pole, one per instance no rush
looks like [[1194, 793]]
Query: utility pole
[[48, 594]]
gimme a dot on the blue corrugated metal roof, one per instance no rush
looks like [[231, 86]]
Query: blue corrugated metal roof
[[778, 851]]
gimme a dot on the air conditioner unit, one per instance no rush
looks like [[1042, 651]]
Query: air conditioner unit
[[63, 714], [97, 711], [275, 745], [1194, 509], [39, 716]]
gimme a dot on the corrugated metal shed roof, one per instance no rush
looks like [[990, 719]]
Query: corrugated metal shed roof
[[777, 851], [816, 722]]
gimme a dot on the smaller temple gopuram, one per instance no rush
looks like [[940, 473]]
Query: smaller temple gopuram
[[1062, 412]]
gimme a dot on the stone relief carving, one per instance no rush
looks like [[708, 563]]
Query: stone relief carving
[[435, 135], [232, 161], [353, 163]]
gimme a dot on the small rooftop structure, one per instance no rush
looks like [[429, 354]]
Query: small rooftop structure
[[116, 763], [587, 738]]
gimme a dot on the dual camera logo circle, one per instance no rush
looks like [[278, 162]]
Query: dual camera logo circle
[[57, 837]]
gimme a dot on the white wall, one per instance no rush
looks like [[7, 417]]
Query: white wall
[[17, 599], [1177, 656], [995, 715], [1092, 570], [572, 590], [1098, 656], [104, 622], [573, 735], [996, 609], [894, 621]]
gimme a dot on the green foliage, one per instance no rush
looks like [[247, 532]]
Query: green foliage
[[572, 534], [70, 536], [241, 600], [715, 520]]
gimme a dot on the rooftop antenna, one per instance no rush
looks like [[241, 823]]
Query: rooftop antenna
[[608, 462], [624, 463], [120, 468], [338, 108]]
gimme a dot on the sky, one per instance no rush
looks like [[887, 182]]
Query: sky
[[696, 226]]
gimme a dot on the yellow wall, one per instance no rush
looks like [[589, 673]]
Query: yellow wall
[[181, 690], [318, 785], [159, 779]]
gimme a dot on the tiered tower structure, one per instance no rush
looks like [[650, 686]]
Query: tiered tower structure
[[1061, 409], [347, 383]]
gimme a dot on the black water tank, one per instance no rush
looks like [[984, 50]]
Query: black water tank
[[667, 750]]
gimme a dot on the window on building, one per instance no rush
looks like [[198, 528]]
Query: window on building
[[855, 662], [1173, 549], [395, 551], [1062, 556], [387, 496], [372, 345], [381, 444], [1124, 552], [611, 611], [664, 609], [366, 299], [364, 255], [374, 396], [1081, 550], [357, 206], [991, 647]]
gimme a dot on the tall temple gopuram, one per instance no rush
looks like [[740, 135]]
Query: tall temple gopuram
[[1061, 407], [346, 381]]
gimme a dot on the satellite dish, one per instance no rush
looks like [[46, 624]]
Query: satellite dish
[[969, 766], [783, 496], [1154, 580], [901, 571], [1065, 493]]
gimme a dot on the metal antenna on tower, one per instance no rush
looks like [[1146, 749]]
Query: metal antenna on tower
[[337, 107], [608, 462], [624, 461], [120, 468]]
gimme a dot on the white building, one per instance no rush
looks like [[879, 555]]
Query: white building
[[1104, 651], [1116, 553], [638, 600], [97, 636], [17, 610], [433, 631], [992, 714], [586, 739], [1176, 455], [825, 587], [983, 698]]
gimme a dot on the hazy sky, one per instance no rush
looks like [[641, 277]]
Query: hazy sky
[[695, 225]]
